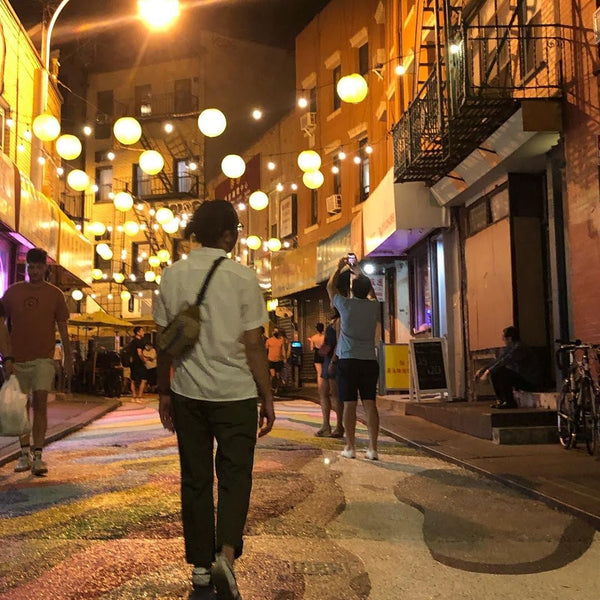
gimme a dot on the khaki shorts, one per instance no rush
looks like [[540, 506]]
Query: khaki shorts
[[35, 375]]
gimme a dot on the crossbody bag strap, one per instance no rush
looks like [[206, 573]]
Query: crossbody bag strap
[[208, 278]]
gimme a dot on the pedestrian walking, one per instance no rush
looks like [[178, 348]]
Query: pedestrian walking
[[139, 374], [213, 394], [34, 309], [276, 356], [149, 353], [315, 341], [357, 365]]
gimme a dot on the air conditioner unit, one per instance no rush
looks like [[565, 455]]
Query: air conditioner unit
[[596, 21], [334, 204], [308, 122]]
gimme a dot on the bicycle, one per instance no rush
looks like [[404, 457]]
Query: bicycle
[[578, 397]]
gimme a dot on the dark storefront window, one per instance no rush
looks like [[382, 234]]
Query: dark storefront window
[[421, 309]]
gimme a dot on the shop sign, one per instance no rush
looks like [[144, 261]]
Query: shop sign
[[357, 236], [76, 253], [330, 250], [239, 190], [379, 214], [38, 218], [272, 304], [287, 216], [394, 368], [8, 213], [378, 283], [294, 271]]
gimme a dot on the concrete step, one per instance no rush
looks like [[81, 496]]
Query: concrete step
[[543, 434]]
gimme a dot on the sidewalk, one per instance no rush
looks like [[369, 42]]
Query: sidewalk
[[568, 480], [66, 414]]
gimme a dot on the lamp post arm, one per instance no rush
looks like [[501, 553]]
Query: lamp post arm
[[48, 39]]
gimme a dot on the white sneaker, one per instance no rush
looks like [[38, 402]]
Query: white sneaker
[[39, 466], [371, 455], [23, 464], [348, 453], [224, 579], [200, 577]]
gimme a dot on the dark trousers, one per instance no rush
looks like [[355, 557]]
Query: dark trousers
[[505, 380], [233, 425]]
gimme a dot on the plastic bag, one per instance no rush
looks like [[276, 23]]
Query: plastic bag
[[14, 419]]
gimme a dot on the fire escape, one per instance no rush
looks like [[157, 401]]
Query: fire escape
[[469, 79]]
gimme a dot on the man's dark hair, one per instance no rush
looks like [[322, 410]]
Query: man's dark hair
[[136, 329], [511, 332], [36, 256], [361, 286], [343, 285], [210, 221], [320, 327]]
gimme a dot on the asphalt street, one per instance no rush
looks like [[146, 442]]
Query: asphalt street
[[105, 523]]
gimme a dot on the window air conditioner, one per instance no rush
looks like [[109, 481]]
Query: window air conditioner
[[597, 26], [308, 122], [334, 204]]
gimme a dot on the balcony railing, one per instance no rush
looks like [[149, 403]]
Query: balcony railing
[[491, 70], [167, 185], [166, 105]]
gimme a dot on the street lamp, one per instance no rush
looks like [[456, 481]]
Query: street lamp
[[158, 14]]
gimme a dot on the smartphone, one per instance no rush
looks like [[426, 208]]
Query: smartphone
[[351, 258]]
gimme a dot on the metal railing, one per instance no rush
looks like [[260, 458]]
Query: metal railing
[[169, 185], [163, 105]]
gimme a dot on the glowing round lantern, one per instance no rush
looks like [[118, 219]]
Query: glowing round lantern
[[77, 295], [97, 228], [127, 130], [258, 200], [123, 201], [309, 160], [164, 215], [149, 276], [253, 242], [68, 147], [163, 255], [97, 274], [171, 226], [313, 180], [151, 162], [154, 261], [125, 295], [118, 277], [212, 122], [233, 166], [78, 180], [352, 88], [274, 245], [46, 127], [131, 228], [104, 251]]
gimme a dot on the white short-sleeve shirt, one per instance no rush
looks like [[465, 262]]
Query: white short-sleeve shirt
[[216, 369]]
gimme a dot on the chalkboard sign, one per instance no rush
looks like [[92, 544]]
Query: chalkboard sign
[[428, 365]]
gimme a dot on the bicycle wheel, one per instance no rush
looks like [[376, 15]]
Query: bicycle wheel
[[587, 416], [564, 411]]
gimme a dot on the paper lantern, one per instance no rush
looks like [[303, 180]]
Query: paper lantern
[[154, 261], [274, 245], [78, 180], [68, 147], [171, 226], [352, 88], [123, 201], [118, 277], [151, 162], [313, 180], [131, 228], [164, 215], [258, 200], [77, 295], [104, 251], [97, 228], [309, 160], [163, 255], [233, 166], [127, 130], [97, 274], [125, 295], [253, 242], [149, 276], [46, 127], [212, 122]]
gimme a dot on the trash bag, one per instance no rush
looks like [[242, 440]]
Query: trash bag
[[14, 419]]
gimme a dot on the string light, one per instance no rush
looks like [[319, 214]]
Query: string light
[[87, 130], [257, 114], [400, 70], [342, 155], [302, 102], [27, 135], [294, 186], [271, 165], [357, 160], [110, 155], [279, 187], [169, 127]]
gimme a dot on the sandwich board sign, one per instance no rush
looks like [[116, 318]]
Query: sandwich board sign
[[428, 367]]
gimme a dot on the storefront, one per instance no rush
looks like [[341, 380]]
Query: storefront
[[8, 212]]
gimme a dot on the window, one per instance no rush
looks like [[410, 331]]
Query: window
[[142, 183], [184, 177], [100, 263], [140, 251], [312, 106], [314, 207], [421, 298], [365, 174], [363, 59], [106, 110], [337, 75], [143, 100], [183, 96], [104, 181], [337, 175]]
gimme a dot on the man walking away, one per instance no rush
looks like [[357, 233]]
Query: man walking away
[[213, 394], [30, 312], [139, 375], [276, 356]]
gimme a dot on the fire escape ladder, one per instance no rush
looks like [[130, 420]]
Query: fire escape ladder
[[164, 178], [146, 227]]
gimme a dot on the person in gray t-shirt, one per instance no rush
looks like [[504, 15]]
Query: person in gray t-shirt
[[358, 370]]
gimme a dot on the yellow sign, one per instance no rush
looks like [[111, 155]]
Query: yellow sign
[[272, 304], [396, 364]]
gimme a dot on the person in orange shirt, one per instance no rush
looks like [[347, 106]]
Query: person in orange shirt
[[275, 353]]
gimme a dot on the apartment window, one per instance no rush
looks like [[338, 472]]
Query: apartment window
[[363, 59], [100, 263], [143, 100], [140, 251], [314, 207], [106, 109], [142, 183], [104, 181], [337, 175], [365, 173], [184, 177], [312, 103], [183, 96], [337, 75]]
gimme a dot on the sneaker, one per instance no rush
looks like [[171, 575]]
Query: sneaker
[[39, 466], [200, 577], [23, 464], [348, 453], [371, 455], [224, 579]]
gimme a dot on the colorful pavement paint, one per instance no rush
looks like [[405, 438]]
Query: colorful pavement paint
[[105, 523]]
